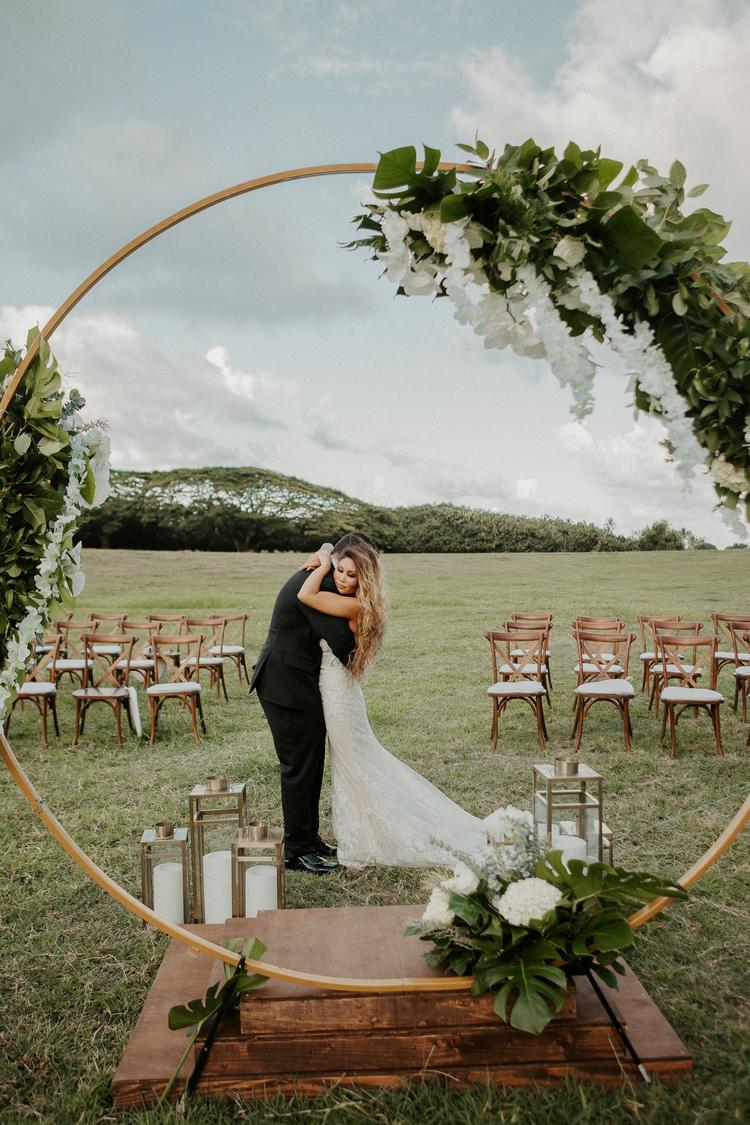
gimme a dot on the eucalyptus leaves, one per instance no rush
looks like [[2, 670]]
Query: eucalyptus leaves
[[52, 466], [536, 251]]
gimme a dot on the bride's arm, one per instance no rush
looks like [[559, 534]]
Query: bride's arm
[[332, 605]]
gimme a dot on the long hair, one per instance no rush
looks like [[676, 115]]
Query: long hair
[[371, 598]]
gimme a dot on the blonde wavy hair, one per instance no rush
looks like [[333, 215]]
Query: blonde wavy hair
[[371, 597]]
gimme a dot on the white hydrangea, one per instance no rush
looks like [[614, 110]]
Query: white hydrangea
[[526, 900], [727, 475], [464, 881], [570, 250], [437, 909]]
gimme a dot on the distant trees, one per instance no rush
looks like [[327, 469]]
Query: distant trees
[[255, 510]]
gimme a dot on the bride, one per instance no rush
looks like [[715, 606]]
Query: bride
[[384, 812]]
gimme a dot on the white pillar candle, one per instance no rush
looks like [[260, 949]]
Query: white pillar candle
[[217, 886], [573, 847], [260, 889], [168, 901]]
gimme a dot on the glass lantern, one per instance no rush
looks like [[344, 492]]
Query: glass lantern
[[257, 870], [165, 873], [568, 809], [217, 809]]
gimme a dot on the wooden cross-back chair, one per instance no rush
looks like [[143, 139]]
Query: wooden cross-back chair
[[72, 663], [105, 624], [519, 678], [39, 691], [536, 621], [141, 664], [517, 652], [681, 628], [648, 654], [213, 628], [689, 656], [594, 626], [172, 623], [233, 644], [741, 643], [176, 681], [603, 660], [726, 653], [104, 681]]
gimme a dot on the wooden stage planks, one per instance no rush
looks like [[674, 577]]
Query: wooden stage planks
[[293, 1039]]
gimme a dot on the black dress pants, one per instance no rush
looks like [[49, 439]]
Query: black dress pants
[[300, 739]]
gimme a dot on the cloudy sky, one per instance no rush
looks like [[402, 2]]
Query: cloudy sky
[[248, 335]]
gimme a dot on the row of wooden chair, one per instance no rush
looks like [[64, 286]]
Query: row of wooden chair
[[521, 668], [108, 653]]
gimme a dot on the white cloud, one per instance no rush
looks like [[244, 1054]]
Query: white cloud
[[526, 488], [644, 80]]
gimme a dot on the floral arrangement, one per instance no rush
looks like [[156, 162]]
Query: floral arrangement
[[541, 253], [522, 921], [53, 466]]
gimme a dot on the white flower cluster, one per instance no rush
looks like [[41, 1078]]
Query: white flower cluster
[[513, 846], [647, 362], [650, 366], [726, 474], [464, 882], [526, 900], [526, 319], [438, 908], [60, 562]]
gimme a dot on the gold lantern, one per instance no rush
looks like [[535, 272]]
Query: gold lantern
[[217, 809], [568, 809], [257, 869], [165, 873]]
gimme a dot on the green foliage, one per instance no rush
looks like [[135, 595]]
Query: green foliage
[[196, 1012], [657, 263], [588, 930], [249, 509], [34, 456]]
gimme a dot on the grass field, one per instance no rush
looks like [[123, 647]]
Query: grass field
[[76, 967]]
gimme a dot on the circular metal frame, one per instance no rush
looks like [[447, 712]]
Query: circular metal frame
[[92, 870]]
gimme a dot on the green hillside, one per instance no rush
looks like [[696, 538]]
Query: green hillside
[[251, 509]]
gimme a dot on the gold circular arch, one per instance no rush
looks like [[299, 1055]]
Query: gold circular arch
[[50, 821]]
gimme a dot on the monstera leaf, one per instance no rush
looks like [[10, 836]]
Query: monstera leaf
[[196, 1012], [533, 990]]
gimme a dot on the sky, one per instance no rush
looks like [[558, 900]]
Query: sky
[[249, 335]]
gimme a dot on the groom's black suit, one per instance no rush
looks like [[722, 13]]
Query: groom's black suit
[[286, 680]]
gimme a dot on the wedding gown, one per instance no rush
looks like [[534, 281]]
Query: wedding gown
[[384, 812]]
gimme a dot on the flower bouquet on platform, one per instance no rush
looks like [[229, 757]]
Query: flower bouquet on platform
[[521, 920]]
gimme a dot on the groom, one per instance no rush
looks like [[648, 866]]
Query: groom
[[286, 680]]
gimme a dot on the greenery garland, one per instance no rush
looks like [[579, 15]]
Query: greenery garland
[[52, 466], [556, 240]]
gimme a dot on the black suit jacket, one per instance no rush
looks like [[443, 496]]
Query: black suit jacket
[[286, 672]]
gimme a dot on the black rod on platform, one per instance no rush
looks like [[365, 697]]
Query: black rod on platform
[[615, 1021], [200, 1062]]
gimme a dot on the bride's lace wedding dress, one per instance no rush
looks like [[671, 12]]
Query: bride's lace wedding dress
[[384, 812]]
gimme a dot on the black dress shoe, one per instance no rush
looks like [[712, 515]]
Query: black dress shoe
[[311, 862], [324, 849]]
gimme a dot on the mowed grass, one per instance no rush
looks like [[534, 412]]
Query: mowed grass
[[76, 967]]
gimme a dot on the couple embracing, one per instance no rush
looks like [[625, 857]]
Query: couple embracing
[[326, 628]]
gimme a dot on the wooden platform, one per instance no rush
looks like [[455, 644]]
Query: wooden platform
[[292, 1039]]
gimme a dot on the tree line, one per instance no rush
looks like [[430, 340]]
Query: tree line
[[255, 510]]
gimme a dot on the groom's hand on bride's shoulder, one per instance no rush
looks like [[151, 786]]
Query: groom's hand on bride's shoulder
[[317, 559], [311, 563]]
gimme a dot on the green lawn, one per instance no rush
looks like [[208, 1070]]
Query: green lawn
[[77, 967]]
